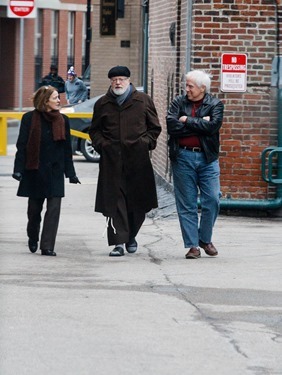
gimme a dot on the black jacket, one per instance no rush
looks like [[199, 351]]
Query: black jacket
[[207, 131], [55, 161], [55, 81]]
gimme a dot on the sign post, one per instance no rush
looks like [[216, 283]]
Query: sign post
[[21, 64], [21, 9], [233, 72]]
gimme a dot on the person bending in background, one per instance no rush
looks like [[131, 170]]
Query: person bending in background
[[76, 90], [54, 80]]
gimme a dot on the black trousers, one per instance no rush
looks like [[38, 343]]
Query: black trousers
[[125, 225], [50, 223]]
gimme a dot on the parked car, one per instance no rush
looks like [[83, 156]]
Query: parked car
[[79, 145]]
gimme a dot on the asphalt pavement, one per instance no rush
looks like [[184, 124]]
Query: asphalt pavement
[[148, 313]]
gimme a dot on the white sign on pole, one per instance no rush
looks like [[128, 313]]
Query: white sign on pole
[[22, 9], [234, 72]]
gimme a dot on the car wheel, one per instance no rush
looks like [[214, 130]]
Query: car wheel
[[88, 151]]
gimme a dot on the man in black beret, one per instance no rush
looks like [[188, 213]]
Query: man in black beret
[[54, 80], [125, 128], [119, 71]]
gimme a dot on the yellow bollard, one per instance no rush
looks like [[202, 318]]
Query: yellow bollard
[[18, 115], [3, 136]]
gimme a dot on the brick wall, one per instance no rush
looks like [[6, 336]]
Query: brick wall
[[250, 120], [10, 48], [106, 51], [166, 64]]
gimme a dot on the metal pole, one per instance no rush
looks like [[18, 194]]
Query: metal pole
[[145, 47], [21, 62], [88, 34], [189, 35], [279, 141]]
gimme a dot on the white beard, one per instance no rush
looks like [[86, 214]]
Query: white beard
[[120, 91]]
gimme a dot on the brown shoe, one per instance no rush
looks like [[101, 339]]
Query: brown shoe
[[193, 253], [209, 248]]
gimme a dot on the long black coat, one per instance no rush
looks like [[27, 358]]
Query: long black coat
[[124, 135], [55, 161]]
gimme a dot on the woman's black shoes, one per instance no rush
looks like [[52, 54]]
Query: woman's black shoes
[[49, 253], [33, 245]]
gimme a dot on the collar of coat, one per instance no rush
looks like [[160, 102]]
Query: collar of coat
[[108, 97]]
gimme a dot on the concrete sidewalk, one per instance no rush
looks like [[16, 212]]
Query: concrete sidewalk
[[149, 313]]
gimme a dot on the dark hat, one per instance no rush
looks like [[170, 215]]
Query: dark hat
[[53, 67], [119, 70]]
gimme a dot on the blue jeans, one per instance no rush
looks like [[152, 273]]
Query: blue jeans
[[192, 175]]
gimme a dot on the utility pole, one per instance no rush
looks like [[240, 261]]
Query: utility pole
[[88, 34]]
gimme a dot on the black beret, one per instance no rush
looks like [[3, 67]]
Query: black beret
[[119, 71], [53, 67]]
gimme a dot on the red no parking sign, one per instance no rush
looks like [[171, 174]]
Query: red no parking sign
[[233, 72], [21, 8]]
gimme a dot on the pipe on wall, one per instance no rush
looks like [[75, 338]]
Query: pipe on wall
[[178, 48], [279, 160], [189, 35], [251, 204], [145, 6]]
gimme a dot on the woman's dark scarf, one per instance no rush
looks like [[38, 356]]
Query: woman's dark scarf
[[33, 144]]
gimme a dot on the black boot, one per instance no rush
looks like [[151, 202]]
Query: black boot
[[33, 245], [50, 253]]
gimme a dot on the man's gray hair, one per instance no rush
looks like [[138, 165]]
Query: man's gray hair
[[201, 78]]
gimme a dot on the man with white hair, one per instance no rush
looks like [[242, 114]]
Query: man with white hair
[[193, 123], [125, 128]]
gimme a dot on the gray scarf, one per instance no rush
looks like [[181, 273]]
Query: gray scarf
[[123, 97]]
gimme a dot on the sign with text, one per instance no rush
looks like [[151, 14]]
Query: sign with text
[[234, 72], [108, 17], [21, 9]]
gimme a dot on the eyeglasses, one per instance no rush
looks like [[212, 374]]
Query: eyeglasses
[[122, 79]]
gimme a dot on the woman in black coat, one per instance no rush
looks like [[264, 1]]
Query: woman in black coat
[[43, 159]]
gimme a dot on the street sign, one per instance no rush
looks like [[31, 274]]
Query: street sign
[[234, 72], [22, 8]]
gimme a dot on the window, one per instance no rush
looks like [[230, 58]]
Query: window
[[54, 36], [83, 45], [71, 24], [38, 48], [38, 34]]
